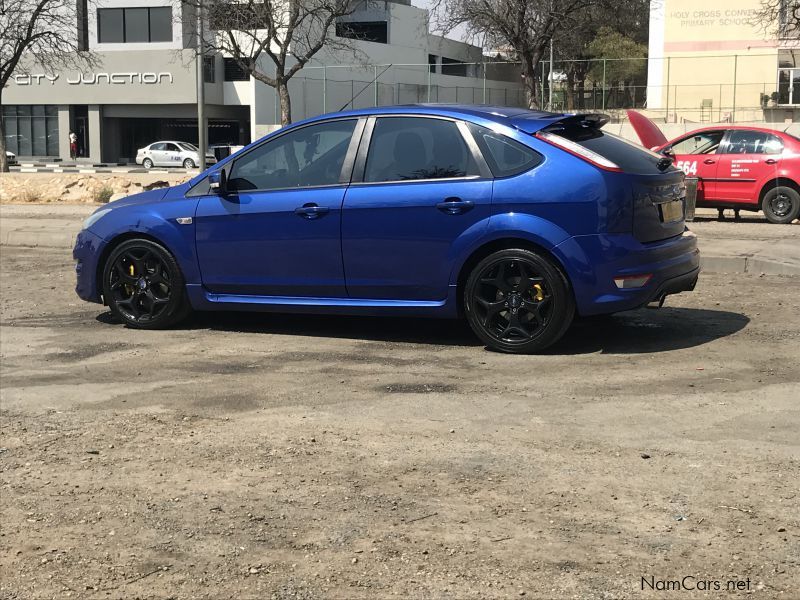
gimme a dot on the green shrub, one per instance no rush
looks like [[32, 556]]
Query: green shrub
[[102, 195]]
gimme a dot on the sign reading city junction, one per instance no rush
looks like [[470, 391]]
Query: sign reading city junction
[[93, 78]]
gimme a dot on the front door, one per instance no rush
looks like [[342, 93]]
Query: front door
[[697, 154], [277, 232], [747, 158], [420, 188]]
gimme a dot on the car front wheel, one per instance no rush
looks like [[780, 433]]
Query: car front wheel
[[143, 285], [517, 301], [781, 205], [147, 163]]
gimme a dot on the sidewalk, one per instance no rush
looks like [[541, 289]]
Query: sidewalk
[[750, 246]]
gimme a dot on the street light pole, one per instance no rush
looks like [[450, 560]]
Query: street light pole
[[201, 92]]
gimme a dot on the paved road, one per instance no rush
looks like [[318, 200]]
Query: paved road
[[251, 456]]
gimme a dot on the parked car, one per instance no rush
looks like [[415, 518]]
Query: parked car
[[11, 158], [515, 219], [743, 168], [171, 154]]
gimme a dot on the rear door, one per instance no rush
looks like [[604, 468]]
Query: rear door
[[172, 155], [157, 153], [697, 154], [419, 184], [747, 158]]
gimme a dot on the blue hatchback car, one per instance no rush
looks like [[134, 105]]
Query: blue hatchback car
[[515, 219]]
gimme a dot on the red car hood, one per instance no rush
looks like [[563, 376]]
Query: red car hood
[[648, 132]]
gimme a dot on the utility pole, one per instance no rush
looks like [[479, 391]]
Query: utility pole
[[201, 91], [550, 95]]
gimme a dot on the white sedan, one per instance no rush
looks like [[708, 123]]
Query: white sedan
[[171, 154], [11, 158]]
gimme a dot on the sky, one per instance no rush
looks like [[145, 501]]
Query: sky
[[458, 34]]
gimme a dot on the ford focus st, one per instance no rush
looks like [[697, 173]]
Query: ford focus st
[[517, 220]]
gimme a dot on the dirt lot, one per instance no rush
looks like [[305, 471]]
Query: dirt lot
[[293, 457]]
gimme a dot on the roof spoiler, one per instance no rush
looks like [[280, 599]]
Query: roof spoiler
[[593, 120]]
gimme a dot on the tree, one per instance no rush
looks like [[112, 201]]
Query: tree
[[778, 18], [274, 39], [523, 26], [40, 33], [622, 50]]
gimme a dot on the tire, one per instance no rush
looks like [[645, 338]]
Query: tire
[[147, 163], [143, 285], [517, 301], [781, 205], [188, 164]]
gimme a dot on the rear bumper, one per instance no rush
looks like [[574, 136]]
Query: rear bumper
[[594, 261]]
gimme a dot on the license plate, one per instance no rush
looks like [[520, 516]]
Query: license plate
[[672, 211]]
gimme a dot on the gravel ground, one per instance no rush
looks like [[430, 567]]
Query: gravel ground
[[252, 456]]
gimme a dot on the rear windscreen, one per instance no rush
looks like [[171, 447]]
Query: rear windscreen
[[630, 157]]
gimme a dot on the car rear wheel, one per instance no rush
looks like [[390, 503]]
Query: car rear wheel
[[143, 285], [781, 205], [517, 301], [188, 164], [147, 163]]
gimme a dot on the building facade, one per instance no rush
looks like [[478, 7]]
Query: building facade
[[719, 61], [143, 85]]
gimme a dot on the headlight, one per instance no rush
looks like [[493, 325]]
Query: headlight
[[95, 216]]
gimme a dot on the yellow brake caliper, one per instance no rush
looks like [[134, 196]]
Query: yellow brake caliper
[[539, 295]]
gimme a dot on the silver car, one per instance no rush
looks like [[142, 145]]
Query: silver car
[[171, 154]]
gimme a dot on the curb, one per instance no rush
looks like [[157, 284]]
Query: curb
[[38, 239]]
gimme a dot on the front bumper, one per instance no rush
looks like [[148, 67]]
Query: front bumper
[[86, 253], [596, 260]]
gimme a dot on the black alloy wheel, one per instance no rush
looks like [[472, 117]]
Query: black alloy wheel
[[517, 301], [781, 205], [143, 286]]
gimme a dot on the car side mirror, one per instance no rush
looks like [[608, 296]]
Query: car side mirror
[[668, 152], [217, 182]]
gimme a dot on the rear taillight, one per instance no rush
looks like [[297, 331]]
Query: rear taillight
[[579, 151]]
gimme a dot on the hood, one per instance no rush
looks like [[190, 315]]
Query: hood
[[140, 198], [649, 133]]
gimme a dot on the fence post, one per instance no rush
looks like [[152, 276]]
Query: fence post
[[324, 88], [375, 80], [735, 68], [541, 100], [429, 83], [719, 108], [603, 91], [484, 83], [666, 115]]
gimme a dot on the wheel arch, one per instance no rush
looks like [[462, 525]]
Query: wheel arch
[[114, 243], [504, 243], [774, 182]]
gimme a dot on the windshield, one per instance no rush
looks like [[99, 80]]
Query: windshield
[[187, 146]]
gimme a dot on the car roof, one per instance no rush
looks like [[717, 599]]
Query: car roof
[[521, 118]]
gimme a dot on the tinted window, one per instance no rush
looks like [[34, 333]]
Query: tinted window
[[234, 71], [505, 156], [137, 28], [161, 24], [172, 148], [630, 157], [110, 25], [705, 142], [407, 148], [306, 157], [753, 142]]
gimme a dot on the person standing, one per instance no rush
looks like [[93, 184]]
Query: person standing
[[73, 145]]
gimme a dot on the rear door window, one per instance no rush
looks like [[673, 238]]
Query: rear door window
[[506, 157], [753, 142], [413, 148]]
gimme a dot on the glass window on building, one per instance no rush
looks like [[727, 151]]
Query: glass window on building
[[134, 25], [209, 69], [235, 71], [31, 130], [365, 31]]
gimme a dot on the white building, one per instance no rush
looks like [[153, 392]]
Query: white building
[[144, 86]]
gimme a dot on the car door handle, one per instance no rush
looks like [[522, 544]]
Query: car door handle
[[709, 161], [454, 206], [311, 211], [770, 161]]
